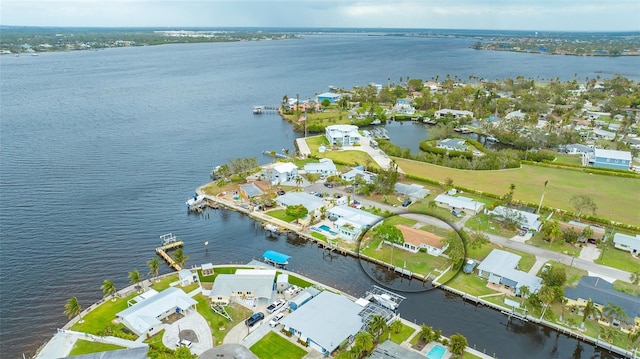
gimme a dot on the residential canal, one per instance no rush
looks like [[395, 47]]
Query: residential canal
[[101, 149]]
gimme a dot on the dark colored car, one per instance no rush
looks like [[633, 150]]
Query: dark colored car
[[256, 317], [406, 203], [280, 192], [328, 184]]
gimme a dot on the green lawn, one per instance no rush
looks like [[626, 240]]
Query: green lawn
[[470, 284], [297, 281], [626, 287], [220, 326], [281, 215], [164, 282], [529, 181], [273, 346], [558, 246], [351, 157], [620, 259], [395, 220], [96, 321], [400, 337], [319, 236], [563, 158], [87, 347]]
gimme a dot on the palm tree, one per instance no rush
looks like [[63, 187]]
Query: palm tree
[[458, 344], [524, 293], [614, 311], [180, 257], [154, 267], [426, 333], [73, 308], [134, 278], [396, 326], [299, 181], [363, 342], [109, 289], [377, 325], [635, 277], [589, 308]]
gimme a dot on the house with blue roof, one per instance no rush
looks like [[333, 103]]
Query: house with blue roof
[[500, 267], [601, 293], [620, 160], [332, 97]]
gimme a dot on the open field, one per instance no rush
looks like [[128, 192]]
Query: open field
[[529, 181]]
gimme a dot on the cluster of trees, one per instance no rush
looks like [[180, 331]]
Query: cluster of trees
[[239, 167]]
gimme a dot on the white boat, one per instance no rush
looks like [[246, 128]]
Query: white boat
[[492, 139], [195, 200], [271, 228]]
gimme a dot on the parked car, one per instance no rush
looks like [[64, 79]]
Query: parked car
[[255, 318], [280, 192], [275, 320], [318, 195], [355, 201], [328, 184], [456, 213], [406, 203], [276, 305], [469, 265], [184, 343]]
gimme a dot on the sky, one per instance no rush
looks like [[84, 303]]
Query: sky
[[534, 15]]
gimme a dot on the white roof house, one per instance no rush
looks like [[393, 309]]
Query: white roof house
[[368, 177], [413, 190], [500, 267], [186, 277], [309, 201], [324, 167], [627, 243], [515, 114], [253, 286], [352, 222], [146, 315], [525, 219], [325, 321], [452, 144], [459, 202], [455, 113], [342, 135], [280, 172]]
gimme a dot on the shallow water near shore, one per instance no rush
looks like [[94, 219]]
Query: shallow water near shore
[[100, 150]]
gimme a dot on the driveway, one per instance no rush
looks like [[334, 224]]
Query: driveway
[[193, 321], [590, 252]]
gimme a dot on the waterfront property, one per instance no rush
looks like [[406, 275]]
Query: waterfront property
[[499, 268], [325, 167], [627, 243], [602, 293], [391, 350], [416, 239], [526, 220], [146, 315], [251, 190], [456, 114], [452, 144], [330, 96], [342, 135], [186, 277], [325, 322], [280, 172], [252, 285], [620, 160], [413, 191], [458, 203], [307, 200], [303, 297], [351, 222]]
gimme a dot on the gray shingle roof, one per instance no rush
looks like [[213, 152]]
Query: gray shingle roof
[[602, 292]]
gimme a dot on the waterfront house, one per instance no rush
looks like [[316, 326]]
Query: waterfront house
[[352, 174], [331, 96], [351, 222], [251, 190], [342, 135], [151, 307], [325, 167], [627, 243], [458, 203], [246, 284], [601, 293], [403, 106], [416, 239], [526, 220], [452, 144], [391, 350], [307, 200], [456, 114], [620, 160], [413, 191], [303, 297], [186, 277], [325, 322], [280, 172], [500, 268]]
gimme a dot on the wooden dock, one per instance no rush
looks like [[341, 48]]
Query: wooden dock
[[162, 251]]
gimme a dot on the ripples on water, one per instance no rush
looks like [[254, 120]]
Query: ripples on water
[[100, 150]]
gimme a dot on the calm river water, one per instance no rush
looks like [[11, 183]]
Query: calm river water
[[100, 150]]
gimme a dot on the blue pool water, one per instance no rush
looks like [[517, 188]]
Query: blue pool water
[[436, 352], [326, 228]]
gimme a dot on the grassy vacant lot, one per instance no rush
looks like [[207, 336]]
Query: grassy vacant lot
[[348, 157], [620, 259], [421, 263], [469, 283], [281, 215], [97, 320], [529, 181], [559, 246], [87, 347], [274, 346]]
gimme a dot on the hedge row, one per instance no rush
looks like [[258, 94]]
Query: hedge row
[[594, 170]]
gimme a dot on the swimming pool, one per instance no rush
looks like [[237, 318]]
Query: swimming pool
[[436, 352], [327, 229]]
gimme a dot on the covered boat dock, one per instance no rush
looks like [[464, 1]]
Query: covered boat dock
[[276, 259]]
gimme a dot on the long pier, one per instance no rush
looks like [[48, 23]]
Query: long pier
[[162, 251]]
